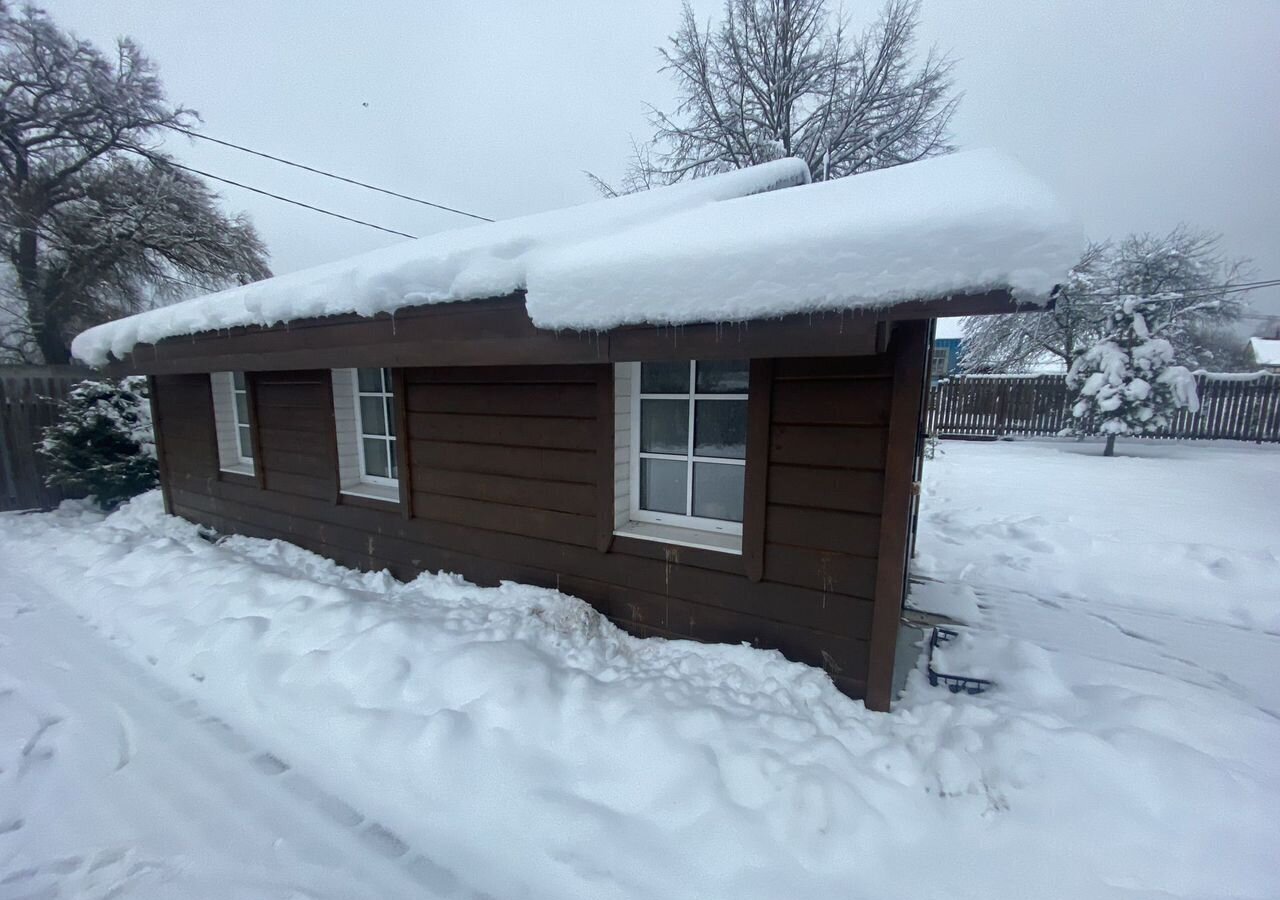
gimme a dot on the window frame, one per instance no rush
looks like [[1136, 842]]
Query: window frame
[[227, 424], [677, 520], [391, 440], [242, 428]]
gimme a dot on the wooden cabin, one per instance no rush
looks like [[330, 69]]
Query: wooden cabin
[[748, 482]]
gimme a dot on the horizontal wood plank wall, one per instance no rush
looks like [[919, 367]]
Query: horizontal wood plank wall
[[505, 481]]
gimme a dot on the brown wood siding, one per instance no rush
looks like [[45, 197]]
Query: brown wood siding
[[505, 472]]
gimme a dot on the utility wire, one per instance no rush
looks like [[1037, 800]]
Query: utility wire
[[298, 165], [327, 212], [162, 160]]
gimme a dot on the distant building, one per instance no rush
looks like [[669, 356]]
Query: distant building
[[1264, 353], [948, 348]]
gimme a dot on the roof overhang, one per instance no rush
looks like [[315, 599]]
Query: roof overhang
[[498, 331]]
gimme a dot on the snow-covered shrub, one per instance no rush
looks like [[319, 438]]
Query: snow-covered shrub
[[103, 444], [1127, 382]]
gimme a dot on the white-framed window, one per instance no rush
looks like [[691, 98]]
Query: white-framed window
[[232, 421], [684, 440], [365, 417]]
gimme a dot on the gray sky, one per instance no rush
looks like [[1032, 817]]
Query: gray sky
[[1140, 114]]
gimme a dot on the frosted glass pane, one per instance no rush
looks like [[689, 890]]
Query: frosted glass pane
[[375, 457], [664, 378], [717, 491], [664, 426], [372, 419], [722, 377], [370, 380], [720, 429], [663, 485]]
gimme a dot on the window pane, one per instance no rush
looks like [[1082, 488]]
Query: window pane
[[391, 417], [370, 380], [391, 454], [722, 377], [664, 378], [375, 457], [371, 417], [242, 408], [386, 381], [246, 443], [237, 378], [664, 426], [662, 485], [717, 491], [720, 429]]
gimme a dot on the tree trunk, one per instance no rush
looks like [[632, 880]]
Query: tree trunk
[[1110, 449], [54, 347]]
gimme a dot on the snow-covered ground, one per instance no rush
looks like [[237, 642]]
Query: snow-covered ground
[[179, 719]]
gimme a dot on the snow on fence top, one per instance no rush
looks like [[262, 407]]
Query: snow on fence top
[[1265, 352], [756, 243]]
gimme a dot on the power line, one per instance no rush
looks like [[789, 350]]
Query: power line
[[327, 212], [165, 161], [298, 165]]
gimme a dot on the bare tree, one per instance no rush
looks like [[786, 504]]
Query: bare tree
[[1185, 267], [95, 221], [781, 78]]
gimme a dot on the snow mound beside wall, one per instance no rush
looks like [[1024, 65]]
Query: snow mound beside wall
[[523, 739]]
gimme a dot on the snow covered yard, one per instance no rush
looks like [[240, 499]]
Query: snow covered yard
[[247, 720]]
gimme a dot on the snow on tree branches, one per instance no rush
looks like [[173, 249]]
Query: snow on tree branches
[[1127, 381], [1186, 265], [103, 444]]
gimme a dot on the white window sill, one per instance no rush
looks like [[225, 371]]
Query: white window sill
[[682, 537], [373, 491], [239, 469]]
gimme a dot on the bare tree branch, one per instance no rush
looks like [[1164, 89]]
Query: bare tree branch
[[785, 78]]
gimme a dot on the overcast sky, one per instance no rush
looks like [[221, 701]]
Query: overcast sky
[[1140, 114]]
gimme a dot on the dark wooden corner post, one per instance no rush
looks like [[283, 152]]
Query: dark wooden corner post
[[162, 461], [909, 346]]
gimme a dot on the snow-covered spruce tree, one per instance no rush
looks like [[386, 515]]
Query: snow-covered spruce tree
[[103, 444], [1127, 381]]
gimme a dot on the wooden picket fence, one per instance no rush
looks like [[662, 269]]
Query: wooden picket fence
[[28, 402], [1232, 407]]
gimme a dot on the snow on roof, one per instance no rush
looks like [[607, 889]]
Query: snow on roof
[[755, 243], [1266, 352]]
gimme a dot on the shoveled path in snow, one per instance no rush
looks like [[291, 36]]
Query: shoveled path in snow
[[1236, 660], [114, 785]]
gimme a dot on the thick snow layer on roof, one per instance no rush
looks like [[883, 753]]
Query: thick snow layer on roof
[[962, 223], [731, 247], [1265, 352]]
